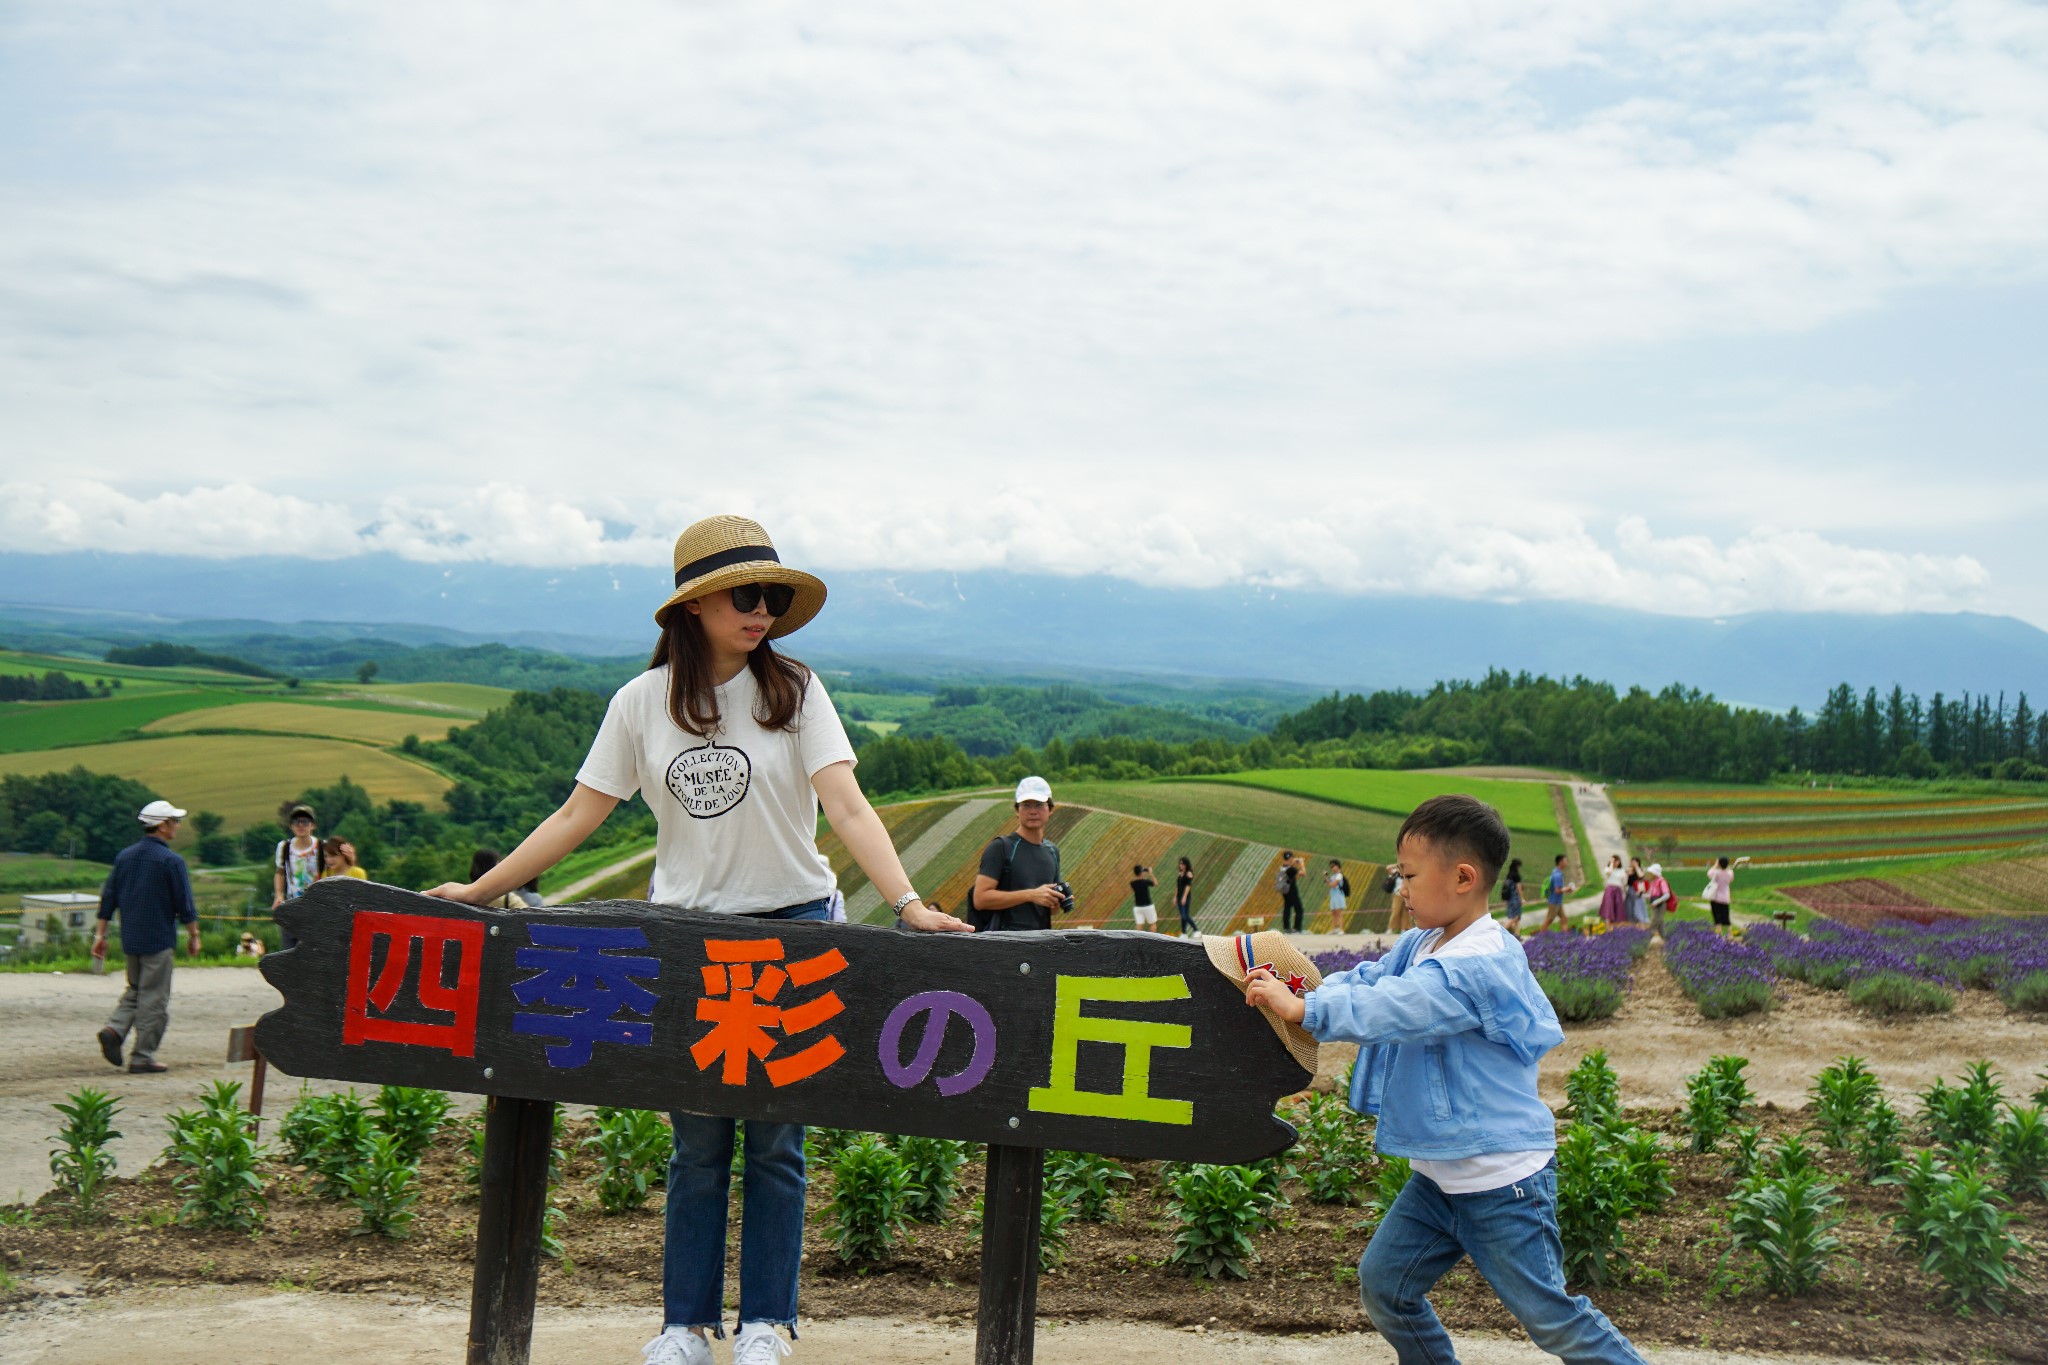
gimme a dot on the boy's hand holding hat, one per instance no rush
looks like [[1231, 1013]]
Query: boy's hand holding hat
[[1275, 975]]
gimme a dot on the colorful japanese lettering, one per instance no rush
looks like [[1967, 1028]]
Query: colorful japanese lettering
[[742, 982], [1071, 1028], [938, 1009], [367, 1007], [578, 968]]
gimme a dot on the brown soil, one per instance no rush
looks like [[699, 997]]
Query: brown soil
[[1873, 1303]]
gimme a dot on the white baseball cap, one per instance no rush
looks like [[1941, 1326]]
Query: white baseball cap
[[1033, 789], [1656, 869], [156, 812]]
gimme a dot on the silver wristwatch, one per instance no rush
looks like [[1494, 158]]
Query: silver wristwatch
[[905, 899]]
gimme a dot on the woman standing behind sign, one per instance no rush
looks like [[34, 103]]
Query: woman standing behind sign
[[735, 747]]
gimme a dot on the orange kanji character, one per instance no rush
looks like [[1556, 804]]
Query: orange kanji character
[[739, 1006]]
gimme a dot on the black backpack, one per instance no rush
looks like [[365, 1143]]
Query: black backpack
[[982, 920], [1344, 882]]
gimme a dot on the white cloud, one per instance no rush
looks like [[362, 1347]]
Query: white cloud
[[1352, 544]]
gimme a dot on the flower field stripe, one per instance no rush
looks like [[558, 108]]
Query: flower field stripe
[[951, 872], [1099, 878], [1249, 881], [1214, 865], [865, 906], [2006, 885], [1082, 835]]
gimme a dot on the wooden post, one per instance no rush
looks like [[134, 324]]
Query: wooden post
[[517, 1134], [1008, 1315]]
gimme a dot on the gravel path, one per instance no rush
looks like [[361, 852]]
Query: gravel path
[[204, 1326]]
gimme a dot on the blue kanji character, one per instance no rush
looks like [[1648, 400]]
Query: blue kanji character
[[574, 972]]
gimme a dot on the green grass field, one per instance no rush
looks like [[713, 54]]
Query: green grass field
[[30, 725], [1266, 817], [32, 872], [90, 671], [1524, 805], [243, 777], [1804, 827]]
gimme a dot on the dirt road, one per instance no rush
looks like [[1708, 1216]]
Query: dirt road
[[204, 1326]]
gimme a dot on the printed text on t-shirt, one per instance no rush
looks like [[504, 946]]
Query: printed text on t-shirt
[[710, 781]]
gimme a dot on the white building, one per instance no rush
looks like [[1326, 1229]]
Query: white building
[[73, 910]]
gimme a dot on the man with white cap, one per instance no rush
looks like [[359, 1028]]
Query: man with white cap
[[1018, 883], [152, 890]]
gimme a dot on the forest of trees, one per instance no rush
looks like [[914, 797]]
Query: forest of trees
[[52, 686], [160, 654]]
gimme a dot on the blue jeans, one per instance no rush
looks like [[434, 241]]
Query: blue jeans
[[1511, 1235], [771, 1211]]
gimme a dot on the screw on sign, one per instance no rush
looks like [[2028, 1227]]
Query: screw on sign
[[1110, 1042]]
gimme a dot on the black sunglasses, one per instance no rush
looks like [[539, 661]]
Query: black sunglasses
[[779, 596]]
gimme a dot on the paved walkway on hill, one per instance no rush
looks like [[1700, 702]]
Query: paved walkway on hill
[[571, 893], [1603, 827]]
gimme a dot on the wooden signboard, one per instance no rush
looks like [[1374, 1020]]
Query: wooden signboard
[[1125, 1043]]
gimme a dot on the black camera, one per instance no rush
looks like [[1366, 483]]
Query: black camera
[[1066, 897]]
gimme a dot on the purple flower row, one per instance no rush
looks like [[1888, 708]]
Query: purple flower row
[[1957, 951], [1608, 957], [1334, 960], [1724, 976]]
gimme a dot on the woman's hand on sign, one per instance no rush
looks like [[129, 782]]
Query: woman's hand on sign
[[1263, 988], [918, 915], [455, 891]]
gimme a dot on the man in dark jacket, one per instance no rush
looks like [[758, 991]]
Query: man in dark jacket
[[152, 890]]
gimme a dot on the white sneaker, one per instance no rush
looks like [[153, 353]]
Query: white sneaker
[[759, 1344], [677, 1346]]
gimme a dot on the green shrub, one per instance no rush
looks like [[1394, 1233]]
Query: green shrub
[[383, 1185], [934, 1166], [1789, 1158], [1577, 999], [412, 1116], [1648, 1185], [1335, 1149], [868, 1205], [471, 1162], [1085, 1182], [1786, 1221], [1054, 1213], [1889, 993], [1592, 1091], [1966, 1114], [1919, 1177], [1731, 1085], [80, 1163], [1387, 1183], [1878, 1144], [1841, 1095], [1706, 1118], [327, 1134], [1965, 1242], [1746, 1155], [632, 1148], [2020, 1149], [1592, 1202], [1218, 1209], [215, 1149], [2027, 992]]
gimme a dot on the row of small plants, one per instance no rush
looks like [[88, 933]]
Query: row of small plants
[[1586, 976], [1983, 1155], [1903, 966]]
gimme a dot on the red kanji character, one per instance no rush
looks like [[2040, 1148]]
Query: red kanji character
[[436, 936], [745, 1019]]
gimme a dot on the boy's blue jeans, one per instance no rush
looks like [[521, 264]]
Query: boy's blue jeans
[[771, 1212], [1511, 1235]]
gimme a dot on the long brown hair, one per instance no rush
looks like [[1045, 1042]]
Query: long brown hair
[[692, 698]]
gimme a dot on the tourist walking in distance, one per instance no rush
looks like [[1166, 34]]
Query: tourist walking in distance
[[735, 747], [1287, 881], [1553, 897], [1720, 892], [1511, 897], [1142, 910], [1184, 899], [1658, 894], [1614, 893], [150, 888], [1638, 903], [1397, 913], [1340, 889], [1017, 885]]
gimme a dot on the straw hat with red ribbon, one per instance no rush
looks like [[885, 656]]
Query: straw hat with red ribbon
[[1238, 955], [724, 552]]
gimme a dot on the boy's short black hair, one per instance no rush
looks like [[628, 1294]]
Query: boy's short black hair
[[1463, 827], [1558, 859]]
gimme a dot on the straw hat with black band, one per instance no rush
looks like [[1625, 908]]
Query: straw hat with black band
[[724, 552]]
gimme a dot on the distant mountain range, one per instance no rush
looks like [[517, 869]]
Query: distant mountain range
[[994, 624]]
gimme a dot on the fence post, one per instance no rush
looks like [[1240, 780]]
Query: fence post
[[513, 1203], [1008, 1314]]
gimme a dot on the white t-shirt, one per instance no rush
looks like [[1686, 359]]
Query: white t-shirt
[[736, 815], [1491, 1170], [1615, 876]]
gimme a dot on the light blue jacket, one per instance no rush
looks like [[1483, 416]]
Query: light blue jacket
[[1447, 1049]]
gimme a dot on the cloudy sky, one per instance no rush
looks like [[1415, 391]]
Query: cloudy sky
[[1701, 308]]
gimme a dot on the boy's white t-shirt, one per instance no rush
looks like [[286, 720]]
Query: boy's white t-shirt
[[736, 815], [1491, 1170]]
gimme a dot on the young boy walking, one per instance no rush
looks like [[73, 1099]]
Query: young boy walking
[[1450, 1026]]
